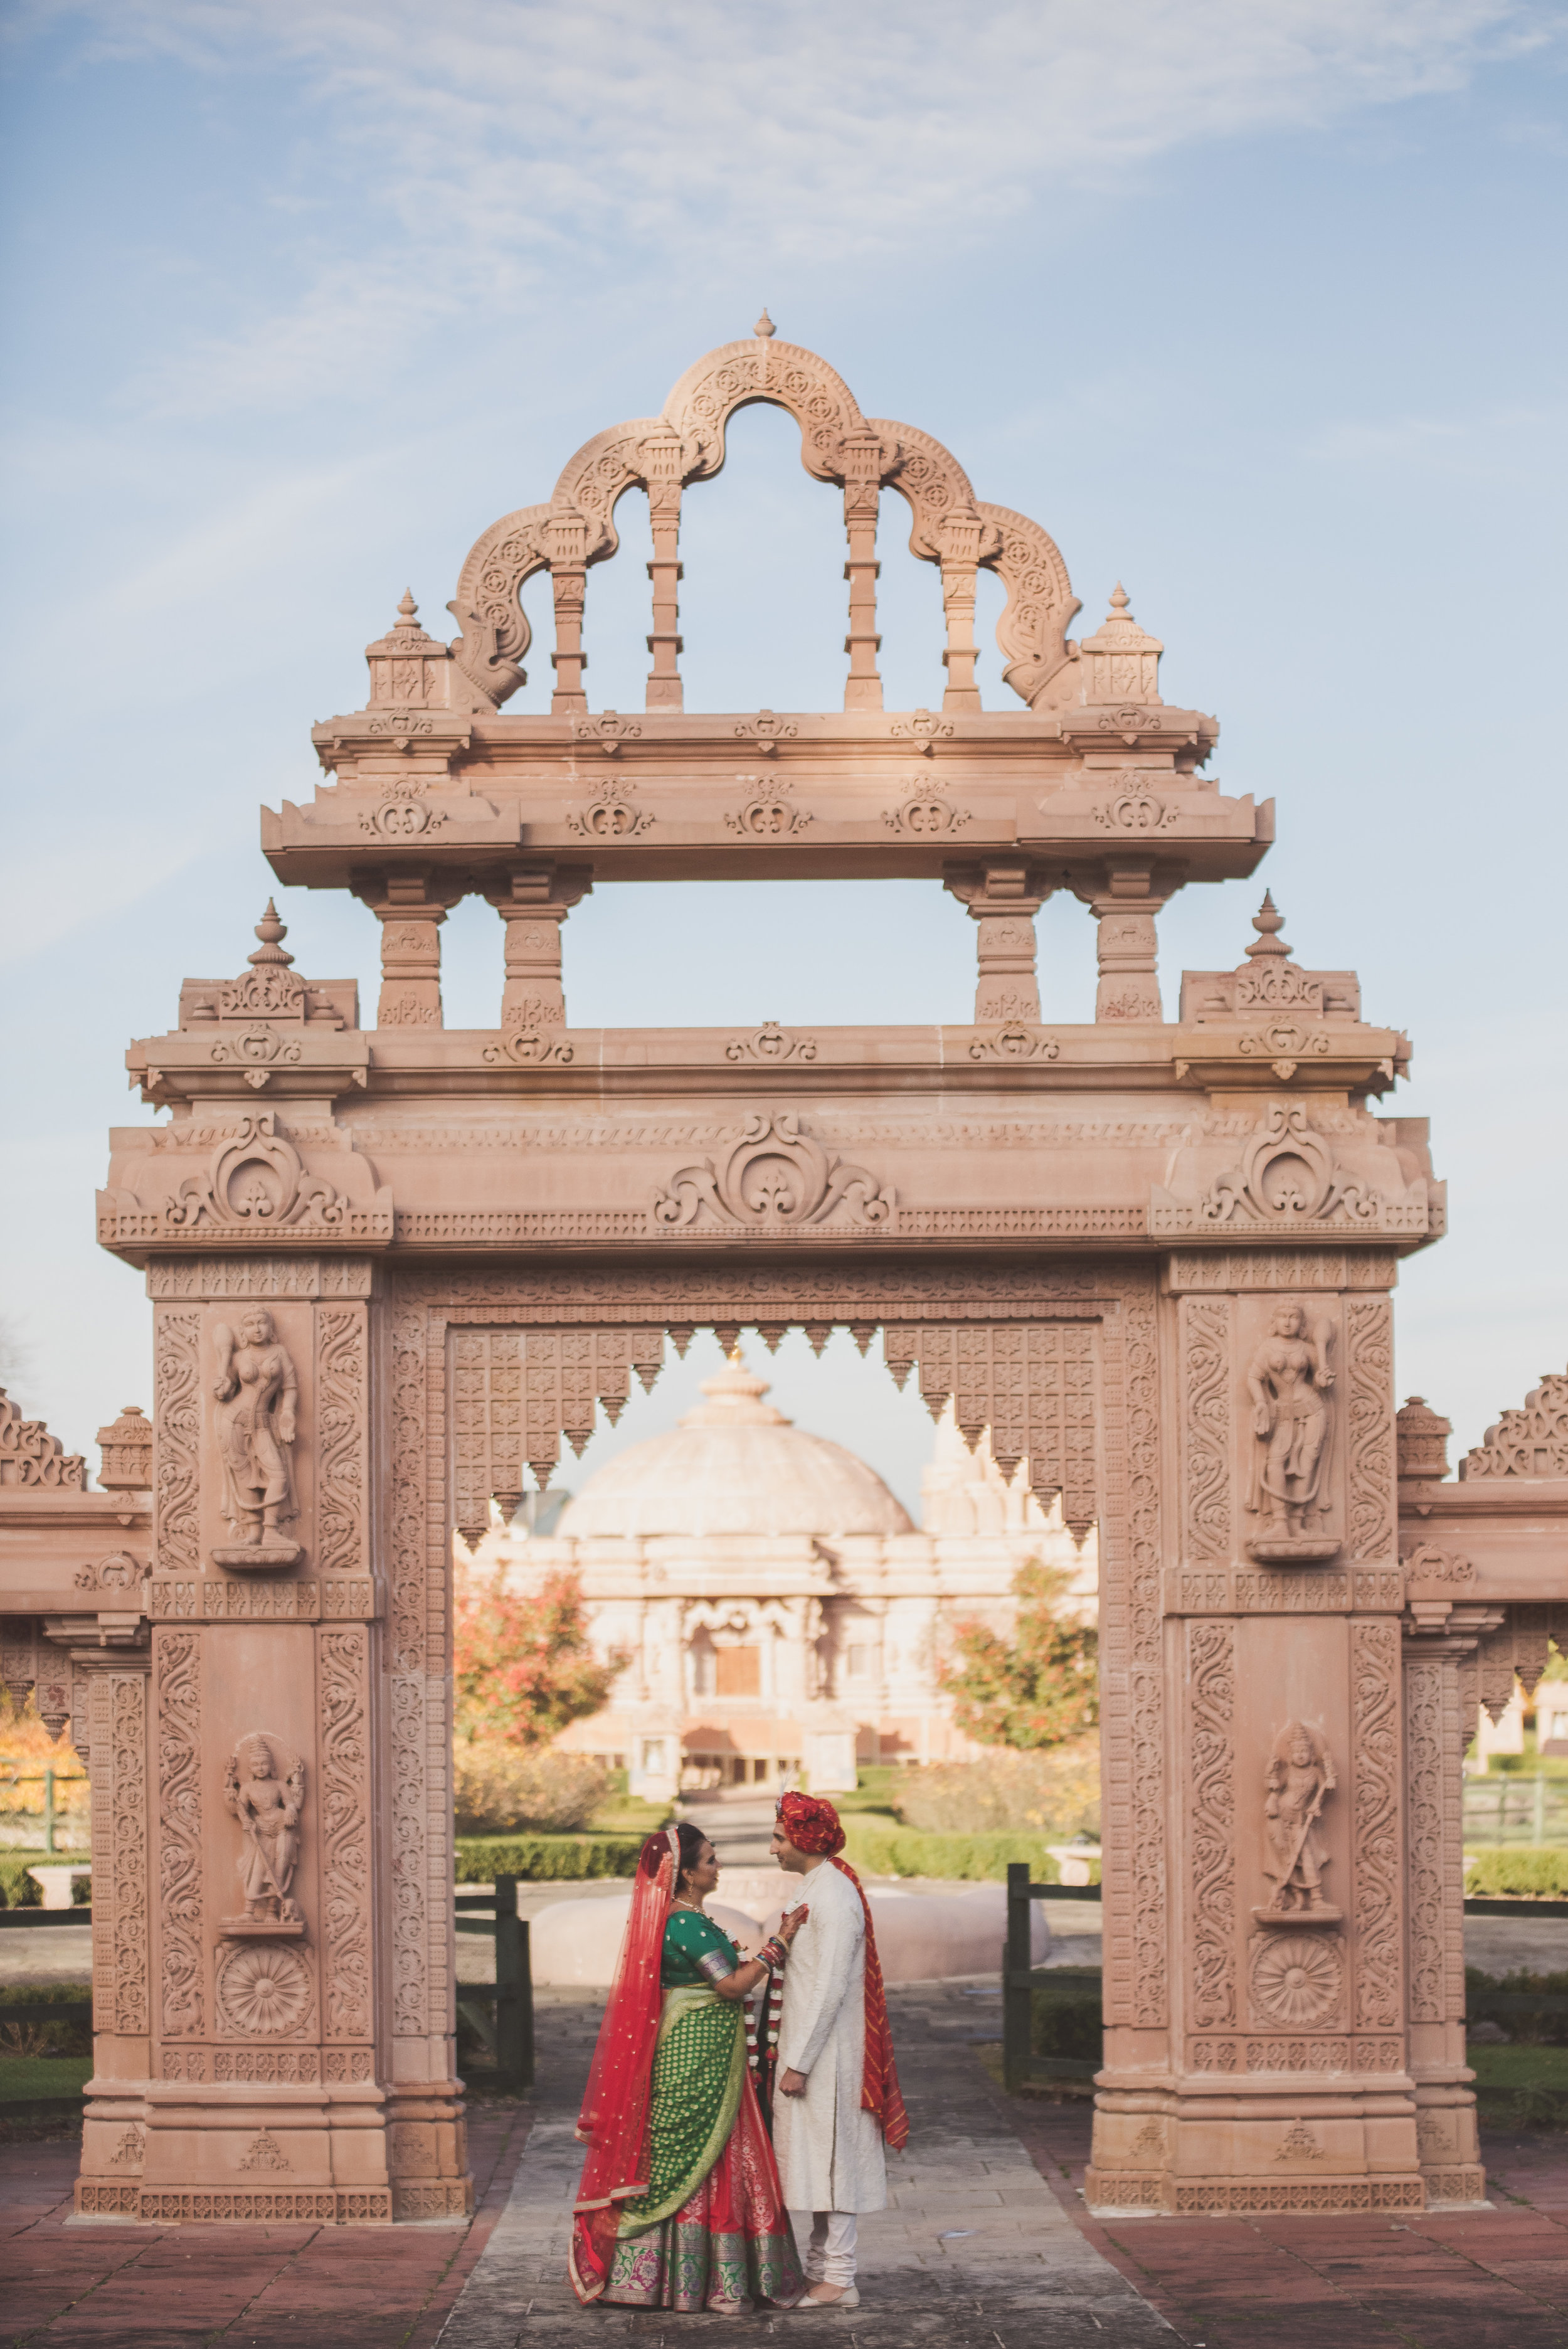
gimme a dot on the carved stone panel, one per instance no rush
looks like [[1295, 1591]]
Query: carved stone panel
[[1212, 1822], [176, 1674], [343, 1673], [1375, 1825], [176, 1441], [1204, 1339], [1371, 1466], [1034, 1389]]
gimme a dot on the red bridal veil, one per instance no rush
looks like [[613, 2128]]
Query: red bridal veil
[[613, 2122]]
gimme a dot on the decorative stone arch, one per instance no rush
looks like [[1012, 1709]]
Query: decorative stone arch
[[1153, 1257], [686, 444]]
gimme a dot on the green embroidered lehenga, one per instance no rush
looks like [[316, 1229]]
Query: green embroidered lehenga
[[708, 2225]]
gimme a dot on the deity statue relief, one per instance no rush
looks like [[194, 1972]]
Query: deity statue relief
[[265, 1790], [257, 1395], [1300, 1779], [1289, 1381]]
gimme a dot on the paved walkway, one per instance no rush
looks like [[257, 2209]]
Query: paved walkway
[[974, 2251]]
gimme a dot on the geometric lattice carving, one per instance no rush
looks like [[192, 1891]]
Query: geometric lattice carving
[[1033, 1385], [1532, 1442], [516, 1391]]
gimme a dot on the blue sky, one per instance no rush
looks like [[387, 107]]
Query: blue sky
[[1257, 307]]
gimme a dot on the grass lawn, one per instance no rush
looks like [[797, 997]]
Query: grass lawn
[[1498, 2071], [43, 2076]]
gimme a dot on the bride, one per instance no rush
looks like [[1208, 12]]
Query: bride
[[679, 2205]]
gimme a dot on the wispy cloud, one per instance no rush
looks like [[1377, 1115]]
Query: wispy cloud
[[502, 140]]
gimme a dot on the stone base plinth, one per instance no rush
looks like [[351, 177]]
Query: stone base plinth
[[258, 1557], [271, 2205], [1119, 2193]]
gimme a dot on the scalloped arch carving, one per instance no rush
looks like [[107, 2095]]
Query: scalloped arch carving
[[685, 443]]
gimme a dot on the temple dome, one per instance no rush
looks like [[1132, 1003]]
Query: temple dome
[[735, 1465]]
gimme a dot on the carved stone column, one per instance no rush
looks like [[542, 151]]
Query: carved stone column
[[1438, 1649], [533, 909], [966, 541], [566, 538], [116, 1742], [1003, 900], [862, 457], [663, 456], [1124, 908], [410, 911]]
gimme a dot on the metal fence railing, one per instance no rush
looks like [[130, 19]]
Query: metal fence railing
[[1500, 1809], [1020, 1977], [500, 2012]]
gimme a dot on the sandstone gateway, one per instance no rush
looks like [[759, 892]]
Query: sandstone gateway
[[390, 1264]]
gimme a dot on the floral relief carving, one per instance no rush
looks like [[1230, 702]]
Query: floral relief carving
[[1016, 1040], [1135, 809], [30, 1455], [1297, 1980], [1206, 1340], [263, 1990], [341, 1413], [1428, 1764], [346, 1832], [177, 1665], [923, 813], [770, 1042], [1531, 1442], [265, 2153], [1212, 1678], [611, 814], [1374, 1668], [774, 1176], [176, 1381], [1373, 1467], [768, 812], [128, 1869], [255, 1181], [1427, 1563], [1287, 1171], [410, 1615]]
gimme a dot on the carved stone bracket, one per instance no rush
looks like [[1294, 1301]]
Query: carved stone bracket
[[770, 1042], [255, 1183]]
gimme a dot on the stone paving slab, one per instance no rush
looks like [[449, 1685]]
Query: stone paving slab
[[1493, 2279], [952, 2261]]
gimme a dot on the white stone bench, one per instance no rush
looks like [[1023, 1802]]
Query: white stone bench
[[58, 1884]]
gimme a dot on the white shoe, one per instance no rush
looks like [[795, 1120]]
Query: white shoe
[[848, 2296]]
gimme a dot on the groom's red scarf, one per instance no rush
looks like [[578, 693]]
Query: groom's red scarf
[[813, 1826]]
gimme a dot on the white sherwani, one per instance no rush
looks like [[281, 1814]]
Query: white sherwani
[[830, 2151]]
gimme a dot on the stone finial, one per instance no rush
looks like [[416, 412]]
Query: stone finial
[[407, 610], [765, 328], [1421, 1435], [271, 933], [125, 1445], [1122, 659], [1268, 922]]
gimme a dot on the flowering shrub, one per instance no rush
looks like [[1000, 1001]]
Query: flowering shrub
[[499, 1788], [1038, 1686], [522, 1665], [1053, 1792]]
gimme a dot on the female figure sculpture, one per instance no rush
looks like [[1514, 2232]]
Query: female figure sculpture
[[1288, 1380], [268, 1809], [257, 1395]]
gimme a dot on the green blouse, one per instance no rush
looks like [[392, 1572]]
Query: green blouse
[[695, 1951]]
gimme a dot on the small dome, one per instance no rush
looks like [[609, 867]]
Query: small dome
[[735, 1465]]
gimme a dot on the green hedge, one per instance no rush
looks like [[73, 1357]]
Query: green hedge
[[17, 1889], [1065, 2013], [546, 1858], [973, 1858], [1519, 1870]]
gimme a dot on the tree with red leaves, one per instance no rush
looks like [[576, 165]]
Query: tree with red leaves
[[1039, 1685], [522, 1664]]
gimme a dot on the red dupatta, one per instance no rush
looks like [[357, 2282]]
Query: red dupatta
[[613, 2122]]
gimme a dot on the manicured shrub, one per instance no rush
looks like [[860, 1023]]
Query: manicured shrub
[[1052, 1791], [545, 1859], [1518, 1871], [972, 1859], [499, 1788]]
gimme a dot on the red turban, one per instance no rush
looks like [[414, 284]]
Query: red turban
[[810, 1825], [813, 1826]]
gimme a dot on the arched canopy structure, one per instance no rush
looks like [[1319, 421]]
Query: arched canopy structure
[[685, 444]]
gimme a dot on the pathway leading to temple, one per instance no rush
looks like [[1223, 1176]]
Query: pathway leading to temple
[[975, 2250]]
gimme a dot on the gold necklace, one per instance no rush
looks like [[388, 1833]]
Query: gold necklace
[[678, 1903]]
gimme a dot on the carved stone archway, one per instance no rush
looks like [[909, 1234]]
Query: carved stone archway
[[1154, 1257]]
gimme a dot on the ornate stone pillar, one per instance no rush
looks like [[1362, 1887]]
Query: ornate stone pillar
[[410, 910], [1271, 2067], [1440, 1649], [294, 1830], [566, 540], [663, 463], [1003, 900], [966, 541], [862, 457], [533, 909], [1127, 948]]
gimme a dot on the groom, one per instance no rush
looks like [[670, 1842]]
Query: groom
[[837, 2097]]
